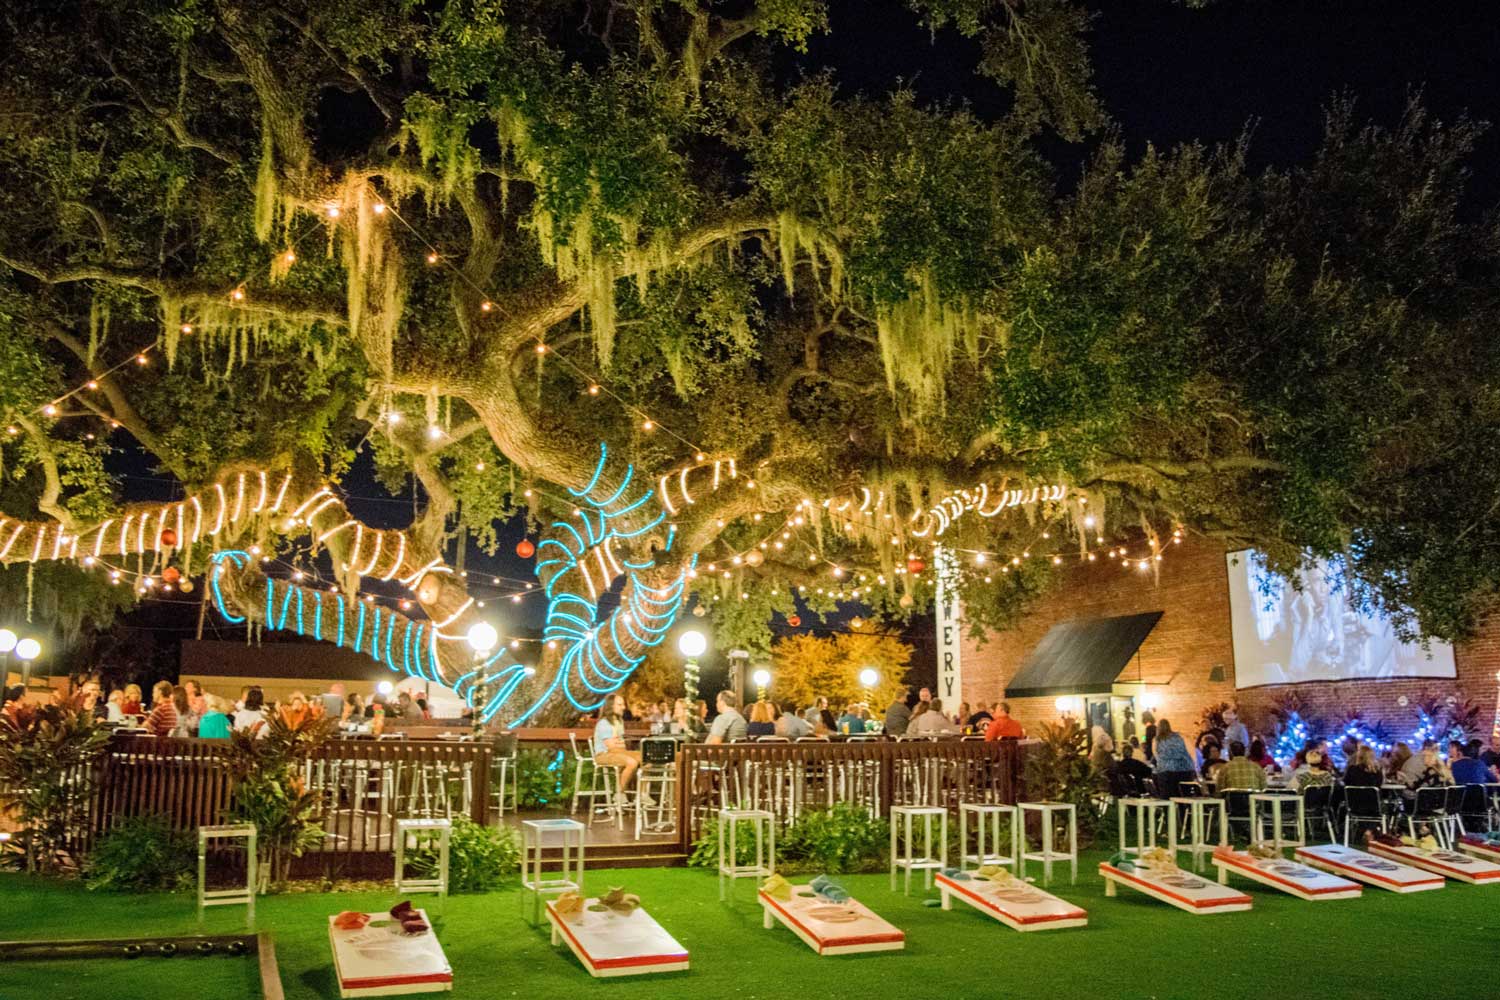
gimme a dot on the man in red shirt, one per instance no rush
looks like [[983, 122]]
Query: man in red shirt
[[163, 717], [1002, 726]]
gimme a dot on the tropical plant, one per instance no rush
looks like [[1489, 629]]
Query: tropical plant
[[141, 854], [47, 773], [1057, 768], [269, 790], [544, 779], [479, 857]]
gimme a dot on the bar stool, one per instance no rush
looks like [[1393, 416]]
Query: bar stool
[[1048, 813], [229, 897], [987, 816], [1274, 801], [417, 831], [1199, 810], [536, 836], [604, 782], [1146, 812], [908, 861], [658, 773], [765, 846]]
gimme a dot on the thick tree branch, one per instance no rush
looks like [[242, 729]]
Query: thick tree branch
[[49, 502]]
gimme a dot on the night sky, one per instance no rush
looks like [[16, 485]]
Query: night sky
[[1166, 74]]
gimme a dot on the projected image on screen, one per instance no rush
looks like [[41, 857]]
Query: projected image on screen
[[1284, 635]]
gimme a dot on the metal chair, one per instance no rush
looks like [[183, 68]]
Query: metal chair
[[604, 782], [1237, 810], [1431, 807], [1317, 803], [1363, 804], [1474, 813]]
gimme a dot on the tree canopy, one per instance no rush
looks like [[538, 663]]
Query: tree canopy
[[822, 329]]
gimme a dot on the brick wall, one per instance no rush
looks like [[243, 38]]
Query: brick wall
[[1192, 638]]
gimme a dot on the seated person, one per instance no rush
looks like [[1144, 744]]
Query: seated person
[[792, 726], [609, 743], [1364, 769], [762, 720], [1212, 762], [852, 721], [1467, 768], [1240, 773], [1257, 754], [729, 724], [1133, 770], [1313, 772], [931, 722]]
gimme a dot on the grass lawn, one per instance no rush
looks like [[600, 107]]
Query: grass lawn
[[1382, 945]]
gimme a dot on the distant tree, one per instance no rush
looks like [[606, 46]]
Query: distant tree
[[807, 667]]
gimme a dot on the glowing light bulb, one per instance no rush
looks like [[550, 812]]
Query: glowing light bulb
[[647, 425], [291, 258], [434, 432], [541, 348], [486, 306], [50, 410], [238, 295], [432, 258], [378, 208], [334, 211], [93, 385]]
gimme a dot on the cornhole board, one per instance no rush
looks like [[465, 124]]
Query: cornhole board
[[1473, 870], [1489, 851], [1179, 888], [847, 928], [616, 944], [1356, 864], [378, 960], [1019, 907], [1290, 877]]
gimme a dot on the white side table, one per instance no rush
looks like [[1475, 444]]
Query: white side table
[[1201, 811], [1146, 811], [765, 846], [536, 836], [229, 897], [927, 861], [1048, 812], [1273, 801], [419, 832], [987, 816]]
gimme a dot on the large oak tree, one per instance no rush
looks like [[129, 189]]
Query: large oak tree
[[480, 239]]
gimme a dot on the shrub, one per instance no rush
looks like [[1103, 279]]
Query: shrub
[[843, 838], [269, 790], [545, 779], [479, 857], [837, 840], [142, 854], [47, 753]]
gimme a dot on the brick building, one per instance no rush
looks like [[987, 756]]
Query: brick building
[[1186, 662]]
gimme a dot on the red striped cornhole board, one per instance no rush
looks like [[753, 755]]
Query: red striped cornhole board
[[1181, 889], [1488, 851], [1367, 868], [1020, 907], [824, 926], [616, 944], [1473, 870], [1288, 876], [378, 960]]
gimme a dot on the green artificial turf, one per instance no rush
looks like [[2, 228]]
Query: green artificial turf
[[1382, 945]]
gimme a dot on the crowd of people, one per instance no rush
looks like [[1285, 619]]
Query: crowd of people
[[1232, 759], [187, 710]]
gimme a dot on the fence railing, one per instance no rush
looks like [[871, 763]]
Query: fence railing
[[365, 785], [790, 778]]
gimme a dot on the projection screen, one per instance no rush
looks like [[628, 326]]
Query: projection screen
[[1284, 636]]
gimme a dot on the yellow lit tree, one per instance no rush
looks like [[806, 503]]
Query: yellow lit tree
[[805, 667]]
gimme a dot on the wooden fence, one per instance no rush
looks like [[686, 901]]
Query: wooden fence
[[365, 786], [789, 778]]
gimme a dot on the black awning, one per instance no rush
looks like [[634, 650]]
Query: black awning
[[1082, 657]]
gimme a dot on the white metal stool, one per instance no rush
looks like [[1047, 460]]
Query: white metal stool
[[657, 779], [927, 862], [536, 836], [229, 897], [420, 832], [1049, 813], [1274, 801], [987, 816], [602, 781], [1199, 810], [1146, 812], [765, 846]]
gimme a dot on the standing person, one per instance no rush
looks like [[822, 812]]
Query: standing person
[[197, 704], [1103, 752], [1002, 726], [251, 715], [214, 724], [132, 704], [898, 716], [163, 717], [1174, 764], [1234, 729], [1148, 719], [333, 701], [609, 743], [729, 724]]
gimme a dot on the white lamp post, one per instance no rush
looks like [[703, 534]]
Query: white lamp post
[[482, 637], [691, 644], [869, 677], [762, 679], [27, 650]]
